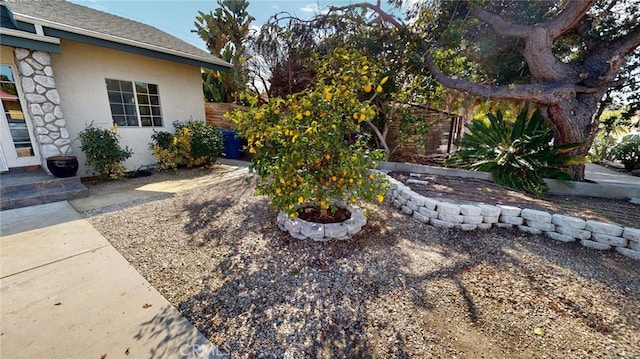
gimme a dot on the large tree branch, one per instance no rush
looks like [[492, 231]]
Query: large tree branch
[[499, 25], [568, 18]]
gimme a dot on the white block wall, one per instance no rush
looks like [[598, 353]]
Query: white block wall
[[442, 214]]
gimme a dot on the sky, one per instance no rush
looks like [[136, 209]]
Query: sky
[[177, 17]]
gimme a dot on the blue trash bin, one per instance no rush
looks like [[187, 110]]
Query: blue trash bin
[[232, 144]]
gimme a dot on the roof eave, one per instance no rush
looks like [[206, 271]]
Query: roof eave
[[215, 63]]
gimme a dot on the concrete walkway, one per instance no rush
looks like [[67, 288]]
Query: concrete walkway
[[67, 293], [602, 175]]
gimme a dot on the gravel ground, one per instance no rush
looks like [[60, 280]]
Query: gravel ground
[[399, 289]]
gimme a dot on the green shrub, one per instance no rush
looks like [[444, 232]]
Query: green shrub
[[308, 149], [628, 152], [517, 154], [194, 143], [102, 149], [602, 148]]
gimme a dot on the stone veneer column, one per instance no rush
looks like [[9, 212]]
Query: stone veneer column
[[43, 103]]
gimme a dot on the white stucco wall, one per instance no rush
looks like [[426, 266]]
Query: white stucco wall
[[80, 71]]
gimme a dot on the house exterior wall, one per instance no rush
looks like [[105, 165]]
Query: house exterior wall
[[80, 73]]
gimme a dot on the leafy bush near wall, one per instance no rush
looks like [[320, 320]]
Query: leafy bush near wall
[[518, 154], [628, 152], [102, 149], [195, 143]]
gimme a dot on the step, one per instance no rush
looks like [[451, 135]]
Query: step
[[30, 189]]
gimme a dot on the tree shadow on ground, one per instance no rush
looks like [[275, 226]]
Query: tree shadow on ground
[[271, 295]]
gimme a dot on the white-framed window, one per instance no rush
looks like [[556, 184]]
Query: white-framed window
[[134, 103]]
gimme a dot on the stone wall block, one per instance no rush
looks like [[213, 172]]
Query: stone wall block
[[335, 230], [529, 230], [568, 221], [25, 69], [490, 210], [42, 57], [490, 219], [28, 85], [543, 226], [595, 245], [412, 206], [441, 224], [45, 139], [484, 226], [418, 200], [575, 233], [40, 90], [514, 220], [35, 98], [604, 228], [41, 131], [470, 210], [466, 227], [48, 71], [634, 254], [534, 215], [453, 218], [53, 96], [21, 54], [45, 81], [406, 210], [34, 64], [49, 117], [560, 237], [448, 208], [430, 203], [421, 217], [57, 111], [37, 121], [473, 219], [611, 240], [632, 234], [511, 211], [36, 109], [428, 212]]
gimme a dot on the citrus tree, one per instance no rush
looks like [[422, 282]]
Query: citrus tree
[[308, 149]]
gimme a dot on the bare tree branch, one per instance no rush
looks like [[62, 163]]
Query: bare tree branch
[[568, 17], [499, 25]]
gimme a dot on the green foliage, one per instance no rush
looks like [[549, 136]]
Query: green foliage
[[628, 152], [517, 154], [308, 149], [102, 149], [602, 148], [194, 143], [226, 32]]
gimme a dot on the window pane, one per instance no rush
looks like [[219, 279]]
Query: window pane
[[127, 97], [157, 121], [155, 110], [153, 89], [145, 111], [141, 87], [6, 74], [119, 120], [126, 86], [146, 120], [115, 97], [143, 99], [155, 100], [113, 85], [130, 110], [116, 109], [8, 87], [132, 120]]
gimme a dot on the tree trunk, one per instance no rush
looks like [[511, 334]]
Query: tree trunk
[[573, 121]]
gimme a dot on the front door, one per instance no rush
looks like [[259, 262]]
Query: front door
[[16, 136]]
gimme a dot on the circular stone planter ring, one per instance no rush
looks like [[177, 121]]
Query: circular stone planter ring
[[301, 229]]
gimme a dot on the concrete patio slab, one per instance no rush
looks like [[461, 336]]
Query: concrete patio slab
[[67, 293], [29, 218]]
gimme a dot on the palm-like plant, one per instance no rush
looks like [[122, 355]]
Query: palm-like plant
[[518, 154]]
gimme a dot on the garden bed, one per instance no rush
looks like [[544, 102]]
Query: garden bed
[[470, 190], [397, 289]]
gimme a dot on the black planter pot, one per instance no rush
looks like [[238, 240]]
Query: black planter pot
[[62, 166]]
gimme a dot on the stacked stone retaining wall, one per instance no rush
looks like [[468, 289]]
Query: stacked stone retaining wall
[[469, 217]]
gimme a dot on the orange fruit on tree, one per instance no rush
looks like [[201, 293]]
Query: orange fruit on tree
[[368, 88]]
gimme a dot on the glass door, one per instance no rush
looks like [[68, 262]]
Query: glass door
[[17, 144]]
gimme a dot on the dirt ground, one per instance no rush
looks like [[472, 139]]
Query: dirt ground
[[468, 190], [399, 289]]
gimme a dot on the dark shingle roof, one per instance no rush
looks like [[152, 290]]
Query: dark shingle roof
[[89, 22]]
